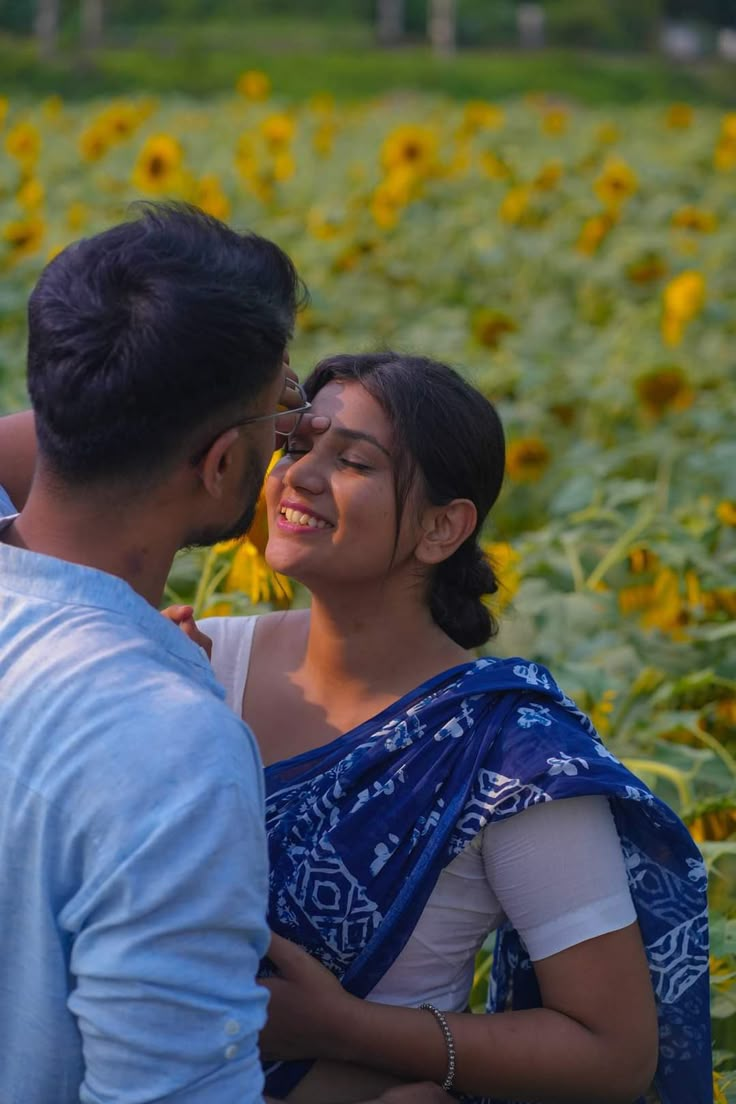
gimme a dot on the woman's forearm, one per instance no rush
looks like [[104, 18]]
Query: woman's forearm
[[340, 1083], [516, 1055], [17, 455]]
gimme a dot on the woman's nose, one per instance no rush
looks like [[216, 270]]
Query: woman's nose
[[306, 473]]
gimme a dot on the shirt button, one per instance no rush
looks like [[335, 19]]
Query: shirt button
[[231, 1051], [232, 1027]]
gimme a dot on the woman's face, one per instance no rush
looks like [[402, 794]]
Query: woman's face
[[331, 504]]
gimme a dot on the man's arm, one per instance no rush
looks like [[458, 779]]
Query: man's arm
[[168, 929], [17, 455]]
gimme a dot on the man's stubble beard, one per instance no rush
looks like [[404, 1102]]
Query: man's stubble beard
[[252, 483]]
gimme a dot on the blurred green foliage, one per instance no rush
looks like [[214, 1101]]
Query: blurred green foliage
[[306, 56], [607, 24]]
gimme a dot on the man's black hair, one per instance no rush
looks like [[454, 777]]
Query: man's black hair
[[146, 332]]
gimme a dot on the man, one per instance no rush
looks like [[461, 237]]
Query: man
[[133, 874]]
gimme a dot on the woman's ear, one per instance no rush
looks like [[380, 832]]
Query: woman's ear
[[444, 529], [218, 463]]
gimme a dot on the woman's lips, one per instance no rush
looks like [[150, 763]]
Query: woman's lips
[[295, 518]]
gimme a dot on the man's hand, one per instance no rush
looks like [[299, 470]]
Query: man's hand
[[183, 616], [307, 1002], [291, 397]]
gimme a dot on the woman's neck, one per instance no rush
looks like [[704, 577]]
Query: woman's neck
[[373, 642]]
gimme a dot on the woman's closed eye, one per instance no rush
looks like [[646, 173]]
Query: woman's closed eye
[[294, 452], [357, 465]]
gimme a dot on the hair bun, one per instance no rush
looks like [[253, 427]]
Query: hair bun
[[458, 586]]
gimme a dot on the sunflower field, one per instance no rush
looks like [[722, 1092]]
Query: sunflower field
[[578, 266]]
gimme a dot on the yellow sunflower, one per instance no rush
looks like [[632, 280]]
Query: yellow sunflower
[[120, 120], [284, 166], [94, 142], [323, 138], [491, 326], [663, 389], [667, 603], [31, 194], [324, 224], [515, 204], [724, 158], [211, 198], [726, 512], [159, 164], [494, 166], [278, 130], [684, 298], [594, 232], [412, 146], [253, 85], [647, 269], [555, 120], [77, 214], [527, 459], [600, 712], [505, 560], [23, 143], [616, 183], [694, 218], [548, 177], [479, 115], [24, 236], [385, 208]]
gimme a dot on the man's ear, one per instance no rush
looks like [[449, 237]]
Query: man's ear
[[444, 529], [216, 465]]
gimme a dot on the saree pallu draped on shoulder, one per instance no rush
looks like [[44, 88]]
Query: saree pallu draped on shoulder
[[360, 829]]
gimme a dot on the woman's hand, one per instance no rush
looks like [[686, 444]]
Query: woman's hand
[[183, 616], [306, 1004]]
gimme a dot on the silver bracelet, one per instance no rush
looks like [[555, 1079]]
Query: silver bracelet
[[449, 1042]]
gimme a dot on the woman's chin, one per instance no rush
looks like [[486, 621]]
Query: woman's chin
[[287, 561]]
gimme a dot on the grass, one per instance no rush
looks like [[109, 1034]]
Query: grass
[[306, 56]]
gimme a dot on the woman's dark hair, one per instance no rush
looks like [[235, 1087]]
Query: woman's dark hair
[[149, 331], [450, 436]]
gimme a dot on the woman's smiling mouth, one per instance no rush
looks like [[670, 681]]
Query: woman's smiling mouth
[[296, 517]]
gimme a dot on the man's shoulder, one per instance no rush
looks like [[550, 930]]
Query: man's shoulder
[[92, 701]]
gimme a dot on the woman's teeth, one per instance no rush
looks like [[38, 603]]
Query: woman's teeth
[[295, 517]]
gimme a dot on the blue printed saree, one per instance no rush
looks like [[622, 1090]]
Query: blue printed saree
[[360, 829]]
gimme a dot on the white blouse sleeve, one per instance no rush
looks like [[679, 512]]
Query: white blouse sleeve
[[232, 639], [558, 872]]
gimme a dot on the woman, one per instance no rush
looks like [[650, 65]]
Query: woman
[[413, 790], [418, 798]]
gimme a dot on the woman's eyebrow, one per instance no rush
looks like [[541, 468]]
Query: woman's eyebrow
[[358, 435]]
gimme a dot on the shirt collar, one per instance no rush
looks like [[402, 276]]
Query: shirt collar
[[34, 575]]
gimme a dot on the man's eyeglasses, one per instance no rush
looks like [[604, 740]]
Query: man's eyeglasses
[[293, 405], [288, 416]]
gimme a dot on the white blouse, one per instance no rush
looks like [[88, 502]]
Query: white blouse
[[556, 871]]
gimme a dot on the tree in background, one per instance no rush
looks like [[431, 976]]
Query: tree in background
[[442, 26], [46, 26], [390, 14], [92, 21]]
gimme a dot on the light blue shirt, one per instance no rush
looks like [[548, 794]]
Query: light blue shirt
[[133, 863]]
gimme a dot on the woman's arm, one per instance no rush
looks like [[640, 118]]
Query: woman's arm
[[17, 455], [595, 1039]]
